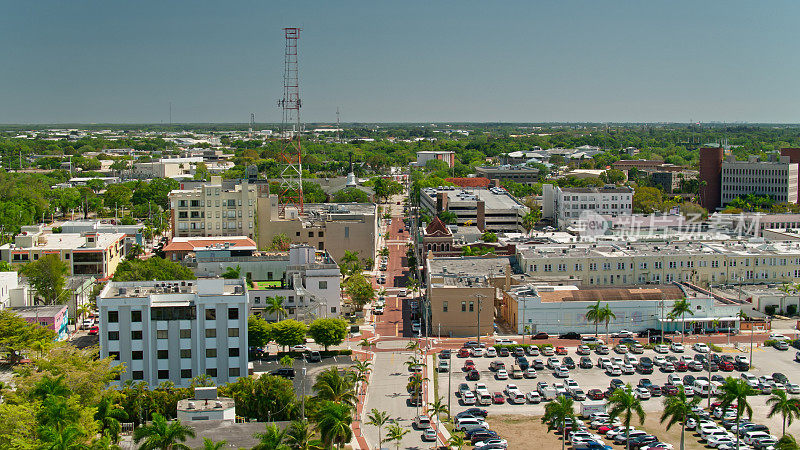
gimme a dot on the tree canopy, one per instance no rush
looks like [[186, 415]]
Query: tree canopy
[[154, 268]]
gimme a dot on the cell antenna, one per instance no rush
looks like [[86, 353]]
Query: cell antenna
[[252, 125], [291, 187], [338, 127]]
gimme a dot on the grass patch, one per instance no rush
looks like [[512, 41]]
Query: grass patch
[[715, 348]]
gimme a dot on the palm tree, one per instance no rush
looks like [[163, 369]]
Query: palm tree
[[49, 386], [593, 314], [606, 315], [333, 421], [395, 433], [362, 367], [70, 438], [378, 419], [209, 444], [678, 408], [413, 346], [736, 390], [436, 408], [300, 436], [624, 403], [232, 273], [366, 344], [785, 406], [275, 306], [331, 385], [680, 308], [787, 442], [787, 289], [109, 415], [556, 413], [457, 441], [286, 361], [163, 435], [271, 439]]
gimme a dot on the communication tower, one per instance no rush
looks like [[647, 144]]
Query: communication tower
[[291, 187], [252, 125]]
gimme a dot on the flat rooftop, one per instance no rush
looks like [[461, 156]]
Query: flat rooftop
[[175, 292], [493, 198], [468, 266], [340, 208], [599, 190], [70, 241], [179, 243], [28, 312]]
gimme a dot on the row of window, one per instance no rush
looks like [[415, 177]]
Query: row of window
[[186, 353], [164, 334], [464, 306], [644, 265], [185, 373], [136, 315]]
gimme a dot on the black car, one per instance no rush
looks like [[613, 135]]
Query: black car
[[642, 441], [540, 336], [644, 382], [522, 362], [710, 366], [481, 436], [568, 362], [741, 366], [628, 341], [538, 364], [503, 351], [586, 362], [660, 340], [649, 332], [645, 365], [445, 354], [570, 335], [473, 412], [780, 378], [284, 372], [473, 375], [688, 380], [616, 383]]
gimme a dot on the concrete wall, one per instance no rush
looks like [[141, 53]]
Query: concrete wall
[[454, 321]]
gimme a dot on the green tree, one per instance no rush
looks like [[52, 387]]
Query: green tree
[[274, 305], [154, 268], [780, 403], [351, 195], [378, 419], [280, 242], [117, 196], [787, 442], [258, 331], [264, 399], [233, 273], [613, 176], [359, 290], [286, 361], [300, 436], [679, 309], [333, 386], [448, 217], [594, 314], [163, 435], [395, 433], [18, 335], [47, 276], [271, 439], [489, 237], [109, 415], [68, 438], [333, 422], [531, 219], [328, 331], [350, 263], [209, 444], [623, 403], [735, 391], [647, 200], [556, 414], [679, 408], [289, 332], [606, 314], [457, 441]]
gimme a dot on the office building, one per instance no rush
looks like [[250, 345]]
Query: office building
[[492, 209], [86, 254], [710, 177], [776, 179], [565, 206], [519, 174], [670, 181], [449, 157], [175, 330]]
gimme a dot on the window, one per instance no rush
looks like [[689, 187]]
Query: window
[[113, 316], [471, 306], [186, 353], [163, 354], [211, 314], [444, 306], [347, 232], [186, 334], [320, 234], [233, 372], [186, 373], [233, 313], [463, 306], [323, 285], [233, 352], [138, 375], [113, 335], [233, 332], [163, 374], [136, 334], [211, 353], [162, 334], [211, 333], [137, 354], [114, 355], [211, 372], [136, 316], [310, 234]]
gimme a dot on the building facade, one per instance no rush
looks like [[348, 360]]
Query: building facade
[[448, 157], [566, 206], [776, 178], [175, 330], [518, 174], [492, 209]]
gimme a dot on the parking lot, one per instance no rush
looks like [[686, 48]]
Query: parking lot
[[766, 362]]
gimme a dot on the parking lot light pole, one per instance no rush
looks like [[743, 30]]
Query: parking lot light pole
[[449, 383], [480, 303]]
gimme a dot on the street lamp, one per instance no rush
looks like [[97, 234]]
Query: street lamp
[[480, 298]]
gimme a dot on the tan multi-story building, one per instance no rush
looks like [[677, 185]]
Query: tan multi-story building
[[462, 294], [212, 210], [654, 263]]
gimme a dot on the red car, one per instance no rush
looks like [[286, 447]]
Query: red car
[[561, 350], [94, 330], [468, 365], [669, 389], [498, 398], [681, 366], [603, 429], [726, 366], [463, 353], [595, 394]]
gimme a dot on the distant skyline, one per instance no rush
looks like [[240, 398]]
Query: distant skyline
[[411, 61]]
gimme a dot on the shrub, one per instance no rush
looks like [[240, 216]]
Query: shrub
[[770, 309], [715, 348], [770, 343], [791, 310]]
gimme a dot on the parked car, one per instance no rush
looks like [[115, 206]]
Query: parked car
[[540, 336], [701, 347], [570, 335]]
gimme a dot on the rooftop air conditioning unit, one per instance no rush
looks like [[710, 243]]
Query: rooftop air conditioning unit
[[217, 404], [190, 405]]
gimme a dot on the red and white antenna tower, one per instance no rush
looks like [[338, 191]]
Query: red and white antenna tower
[[291, 187]]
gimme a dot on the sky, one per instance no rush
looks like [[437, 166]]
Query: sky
[[401, 61]]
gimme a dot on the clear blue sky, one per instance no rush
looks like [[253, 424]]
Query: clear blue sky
[[404, 61]]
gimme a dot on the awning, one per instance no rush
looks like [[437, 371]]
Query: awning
[[699, 319]]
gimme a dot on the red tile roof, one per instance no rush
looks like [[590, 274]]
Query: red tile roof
[[189, 244], [470, 182]]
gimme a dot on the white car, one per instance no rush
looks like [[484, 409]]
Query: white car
[[510, 388], [501, 374], [632, 360], [659, 360], [623, 334], [716, 441], [548, 351], [661, 348], [534, 397], [701, 348], [674, 380], [792, 388], [468, 398], [530, 372], [778, 337], [492, 443], [613, 370], [621, 349], [491, 352], [642, 393], [677, 347], [477, 351], [300, 348], [750, 379], [561, 372], [628, 369]]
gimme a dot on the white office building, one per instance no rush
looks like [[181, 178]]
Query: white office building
[[175, 330], [776, 178], [567, 206]]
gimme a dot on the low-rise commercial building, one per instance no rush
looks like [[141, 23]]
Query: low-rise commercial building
[[175, 330], [53, 317], [519, 174], [492, 209], [449, 157], [206, 405]]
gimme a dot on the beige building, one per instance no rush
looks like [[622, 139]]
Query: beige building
[[462, 294], [212, 210], [609, 264]]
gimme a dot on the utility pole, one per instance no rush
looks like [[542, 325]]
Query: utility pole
[[480, 303], [524, 308]]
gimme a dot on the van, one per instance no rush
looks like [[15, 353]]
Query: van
[[516, 371], [702, 388], [516, 397], [468, 423]]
